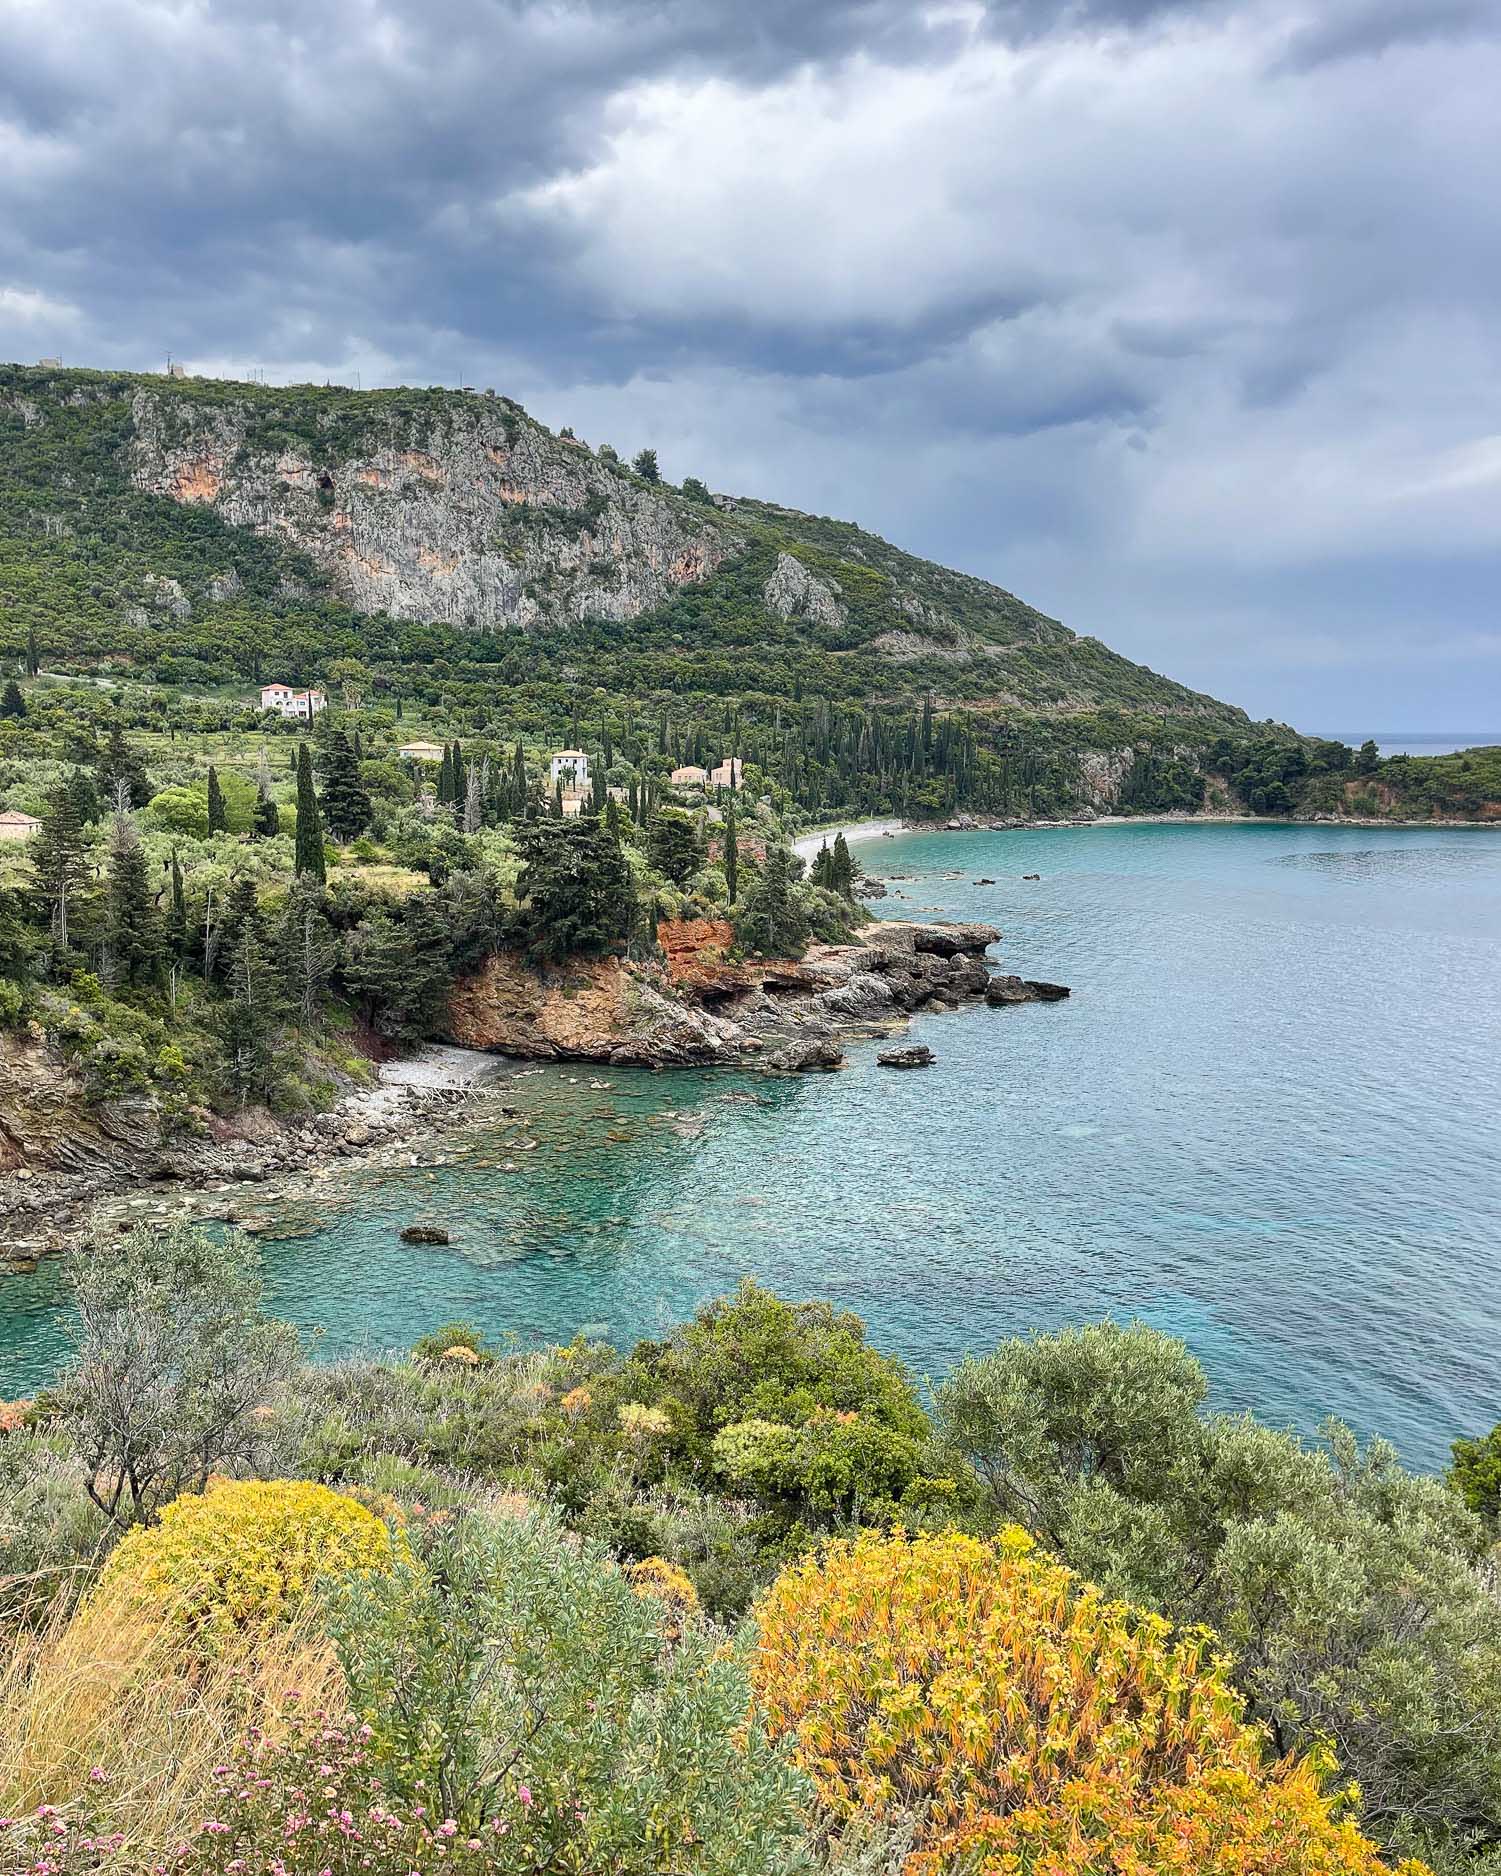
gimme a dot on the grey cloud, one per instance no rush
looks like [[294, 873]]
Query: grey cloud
[[1139, 295], [1349, 29]]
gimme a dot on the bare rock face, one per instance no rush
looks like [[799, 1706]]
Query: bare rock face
[[599, 1010], [471, 514], [793, 592]]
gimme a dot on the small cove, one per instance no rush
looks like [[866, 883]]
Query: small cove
[[1266, 1121]]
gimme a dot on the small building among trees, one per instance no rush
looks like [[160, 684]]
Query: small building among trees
[[17, 826]]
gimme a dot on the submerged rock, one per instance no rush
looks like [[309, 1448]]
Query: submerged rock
[[424, 1234]]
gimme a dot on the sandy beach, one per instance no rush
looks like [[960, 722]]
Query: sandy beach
[[806, 846]]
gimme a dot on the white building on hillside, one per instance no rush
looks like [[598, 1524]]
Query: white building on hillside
[[422, 752], [727, 774], [571, 768], [690, 777], [285, 701]]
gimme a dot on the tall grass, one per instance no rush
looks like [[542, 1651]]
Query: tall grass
[[121, 1692]]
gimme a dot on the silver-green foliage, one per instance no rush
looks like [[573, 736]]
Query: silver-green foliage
[[1358, 1599], [512, 1674]]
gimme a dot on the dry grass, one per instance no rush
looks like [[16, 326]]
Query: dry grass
[[119, 1689]]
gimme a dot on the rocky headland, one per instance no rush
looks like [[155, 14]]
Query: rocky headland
[[700, 1005], [695, 1005]]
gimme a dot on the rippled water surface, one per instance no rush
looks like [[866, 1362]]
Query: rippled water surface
[[1269, 1120]]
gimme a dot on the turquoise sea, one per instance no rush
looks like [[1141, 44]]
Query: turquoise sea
[[1268, 1120]]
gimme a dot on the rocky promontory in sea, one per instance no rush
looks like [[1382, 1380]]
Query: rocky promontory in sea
[[696, 1005], [701, 1006]]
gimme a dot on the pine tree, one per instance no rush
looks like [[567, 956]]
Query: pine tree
[[132, 931], [177, 913], [240, 917], [58, 865], [346, 801], [85, 793], [252, 1013], [575, 888], [12, 703], [400, 966], [309, 861], [644, 462], [672, 845], [121, 772], [308, 949], [218, 816], [772, 920]]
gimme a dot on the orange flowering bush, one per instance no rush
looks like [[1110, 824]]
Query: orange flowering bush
[[1029, 1726]]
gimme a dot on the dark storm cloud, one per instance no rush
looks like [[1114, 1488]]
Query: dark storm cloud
[[1200, 292]]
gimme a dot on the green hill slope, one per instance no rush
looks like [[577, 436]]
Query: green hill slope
[[206, 532]]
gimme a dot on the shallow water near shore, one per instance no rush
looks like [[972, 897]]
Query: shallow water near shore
[[1268, 1120]]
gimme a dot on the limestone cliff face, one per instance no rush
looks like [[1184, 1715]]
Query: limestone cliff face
[[467, 512]]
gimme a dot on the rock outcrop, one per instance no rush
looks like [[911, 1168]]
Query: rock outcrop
[[702, 1007], [915, 1055], [599, 1010], [474, 515]]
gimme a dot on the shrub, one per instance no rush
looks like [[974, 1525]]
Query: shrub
[[1025, 1723], [514, 1679], [754, 1357], [450, 1336], [247, 1552], [1355, 1597], [835, 1462], [176, 1355]]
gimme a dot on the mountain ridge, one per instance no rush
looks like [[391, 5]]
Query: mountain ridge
[[459, 509]]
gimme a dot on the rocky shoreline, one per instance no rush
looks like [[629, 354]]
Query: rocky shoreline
[[703, 1007], [60, 1163]]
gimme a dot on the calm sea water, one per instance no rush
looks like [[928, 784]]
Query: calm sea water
[[1269, 1120]]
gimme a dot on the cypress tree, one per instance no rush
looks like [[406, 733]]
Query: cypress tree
[[33, 652], [218, 818], [842, 869], [309, 859], [731, 853]]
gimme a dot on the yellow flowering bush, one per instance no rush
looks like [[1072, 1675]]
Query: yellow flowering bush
[[1029, 1726], [640, 1422], [655, 1576], [246, 1551]]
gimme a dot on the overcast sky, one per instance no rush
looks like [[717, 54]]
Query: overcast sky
[[1178, 317]]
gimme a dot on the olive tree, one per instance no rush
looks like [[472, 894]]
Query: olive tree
[[1357, 1597], [175, 1353]]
